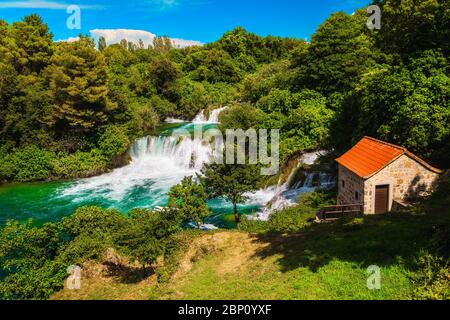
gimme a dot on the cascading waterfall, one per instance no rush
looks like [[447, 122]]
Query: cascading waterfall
[[174, 120], [157, 164], [213, 117], [286, 195]]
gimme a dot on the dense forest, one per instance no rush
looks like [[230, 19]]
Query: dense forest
[[70, 110]]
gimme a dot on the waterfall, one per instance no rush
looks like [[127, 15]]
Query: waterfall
[[213, 117], [157, 164], [174, 120], [282, 196]]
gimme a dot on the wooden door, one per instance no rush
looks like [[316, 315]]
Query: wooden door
[[382, 199]]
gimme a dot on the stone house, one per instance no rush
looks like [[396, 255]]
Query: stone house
[[381, 176]]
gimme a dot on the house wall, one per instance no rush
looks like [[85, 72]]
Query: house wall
[[406, 179], [353, 184]]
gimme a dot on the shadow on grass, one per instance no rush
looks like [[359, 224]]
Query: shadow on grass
[[125, 274], [383, 240]]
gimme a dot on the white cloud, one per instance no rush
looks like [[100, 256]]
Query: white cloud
[[70, 39], [41, 4], [113, 36]]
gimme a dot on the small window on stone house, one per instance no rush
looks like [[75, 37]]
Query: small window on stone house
[[357, 196], [343, 183]]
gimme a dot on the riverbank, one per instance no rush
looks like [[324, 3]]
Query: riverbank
[[320, 263]]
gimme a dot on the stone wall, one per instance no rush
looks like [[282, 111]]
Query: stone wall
[[406, 178], [349, 183]]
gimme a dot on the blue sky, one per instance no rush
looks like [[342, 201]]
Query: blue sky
[[201, 20]]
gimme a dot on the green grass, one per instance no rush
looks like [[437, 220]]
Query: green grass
[[320, 261], [323, 262]]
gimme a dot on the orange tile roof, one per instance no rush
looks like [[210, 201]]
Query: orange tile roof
[[370, 155]]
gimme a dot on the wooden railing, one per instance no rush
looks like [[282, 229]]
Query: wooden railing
[[399, 205], [339, 211]]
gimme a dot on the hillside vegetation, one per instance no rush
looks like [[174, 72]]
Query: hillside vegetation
[[71, 110], [326, 261]]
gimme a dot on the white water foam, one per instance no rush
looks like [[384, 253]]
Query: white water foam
[[174, 120], [157, 163], [282, 196]]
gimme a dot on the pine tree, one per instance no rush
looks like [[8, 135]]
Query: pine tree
[[78, 80], [102, 44]]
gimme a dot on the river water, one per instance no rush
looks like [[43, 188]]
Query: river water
[[157, 164]]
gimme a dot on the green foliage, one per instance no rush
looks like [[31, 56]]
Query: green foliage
[[341, 51], [230, 182], [78, 78], [192, 98], [257, 85], [276, 101], [414, 26], [27, 164], [241, 116], [164, 74], [242, 45], [34, 260], [147, 235], [294, 219], [79, 164], [189, 199], [213, 65], [433, 278], [27, 256], [407, 105], [113, 142]]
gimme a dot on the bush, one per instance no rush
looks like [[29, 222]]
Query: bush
[[7, 168], [113, 142], [433, 279], [79, 164], [292, 219], [32, 164]]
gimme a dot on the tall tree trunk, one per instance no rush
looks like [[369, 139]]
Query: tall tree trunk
[[237, 220]]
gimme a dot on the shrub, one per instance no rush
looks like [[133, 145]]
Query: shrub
[[433, 279], [7, 168], [113, 142], [32, 164], [292, 219], [79, 164]]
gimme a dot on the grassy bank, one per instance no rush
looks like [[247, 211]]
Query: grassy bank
[[322, 262]]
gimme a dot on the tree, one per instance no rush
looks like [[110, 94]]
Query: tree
[[414, 25], [113, 142], [34, 44], [164, 74], [27, 260], [213, 65], [407, 105], [102, 43], [341, 51], [230, 182], [162, 44], [189, 199], [78, 80], [147, 235]]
